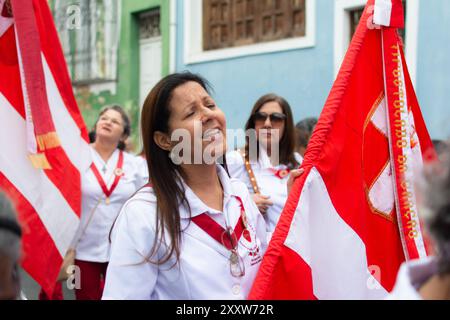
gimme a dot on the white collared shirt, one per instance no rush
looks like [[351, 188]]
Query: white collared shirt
[[94, 245], [411, 277], [203, 270], [269, 184]]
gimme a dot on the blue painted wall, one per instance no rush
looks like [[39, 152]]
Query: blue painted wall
[[433, 66], [305, 76]]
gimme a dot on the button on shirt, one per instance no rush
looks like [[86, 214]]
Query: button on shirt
[[94, 243], [203, 270], [268, 182]]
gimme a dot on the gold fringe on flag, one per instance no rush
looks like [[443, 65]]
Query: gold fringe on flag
[[48, 141], [39, 161]]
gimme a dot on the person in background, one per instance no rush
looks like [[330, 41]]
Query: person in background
[[303, 131], [112, 178], [266, 172], [10, 247], [429, 279], [441, 147]]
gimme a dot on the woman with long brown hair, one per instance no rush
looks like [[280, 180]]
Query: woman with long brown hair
[[268, 157], [193, 232]]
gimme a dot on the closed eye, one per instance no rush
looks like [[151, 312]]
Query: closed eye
[[190, 114]]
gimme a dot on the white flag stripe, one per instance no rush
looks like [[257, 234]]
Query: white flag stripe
[[383, 12], [381, 194], [319, 235], [379, 118], [76, 148], [52, 208]]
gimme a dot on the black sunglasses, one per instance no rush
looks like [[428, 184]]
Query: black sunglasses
[[275, 117]]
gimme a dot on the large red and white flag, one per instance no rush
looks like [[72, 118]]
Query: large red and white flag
[[43, 138], [351, 218]]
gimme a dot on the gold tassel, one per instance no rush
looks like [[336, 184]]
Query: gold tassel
[[39, 161], [48, 141]]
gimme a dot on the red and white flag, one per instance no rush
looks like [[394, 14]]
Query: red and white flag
[[351, 218], [43, 138]]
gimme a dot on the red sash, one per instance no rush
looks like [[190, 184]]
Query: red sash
[[218, 233], [118, 173]]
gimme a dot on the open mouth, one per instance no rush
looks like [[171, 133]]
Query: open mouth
[[212, 134]]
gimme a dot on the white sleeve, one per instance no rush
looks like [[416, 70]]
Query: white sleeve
[[129, 275], [235, 164]]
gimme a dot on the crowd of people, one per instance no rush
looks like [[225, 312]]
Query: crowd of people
[[154, 228]]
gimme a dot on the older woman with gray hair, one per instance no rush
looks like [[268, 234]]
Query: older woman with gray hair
[[10, 235], [429, 279]]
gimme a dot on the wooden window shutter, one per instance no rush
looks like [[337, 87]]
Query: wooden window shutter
[[230, 23]]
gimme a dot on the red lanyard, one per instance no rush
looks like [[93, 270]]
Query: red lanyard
[[217, 232], [117, 172]]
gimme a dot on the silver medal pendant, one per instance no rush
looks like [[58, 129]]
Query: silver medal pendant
[[236, 265], [234, 258]]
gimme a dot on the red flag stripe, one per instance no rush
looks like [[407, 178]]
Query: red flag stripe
[[338, 181], [65, 173], [11, 86], [54, 196], [55, 211], [263, 287], [29, 49]]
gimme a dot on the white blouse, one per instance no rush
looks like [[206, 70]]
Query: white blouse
[[203, 271], [270, 183], [97, 216]]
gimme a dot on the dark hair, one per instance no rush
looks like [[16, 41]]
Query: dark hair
[[164, 174], [287, 141], [441, 147], [438, 205], [304, 129], [126, 124]]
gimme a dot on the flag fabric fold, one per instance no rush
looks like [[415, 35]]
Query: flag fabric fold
[[39, 121], [351, 218]]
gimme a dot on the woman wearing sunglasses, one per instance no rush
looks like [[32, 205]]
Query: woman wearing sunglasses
[[268, 157], [193, 232]]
